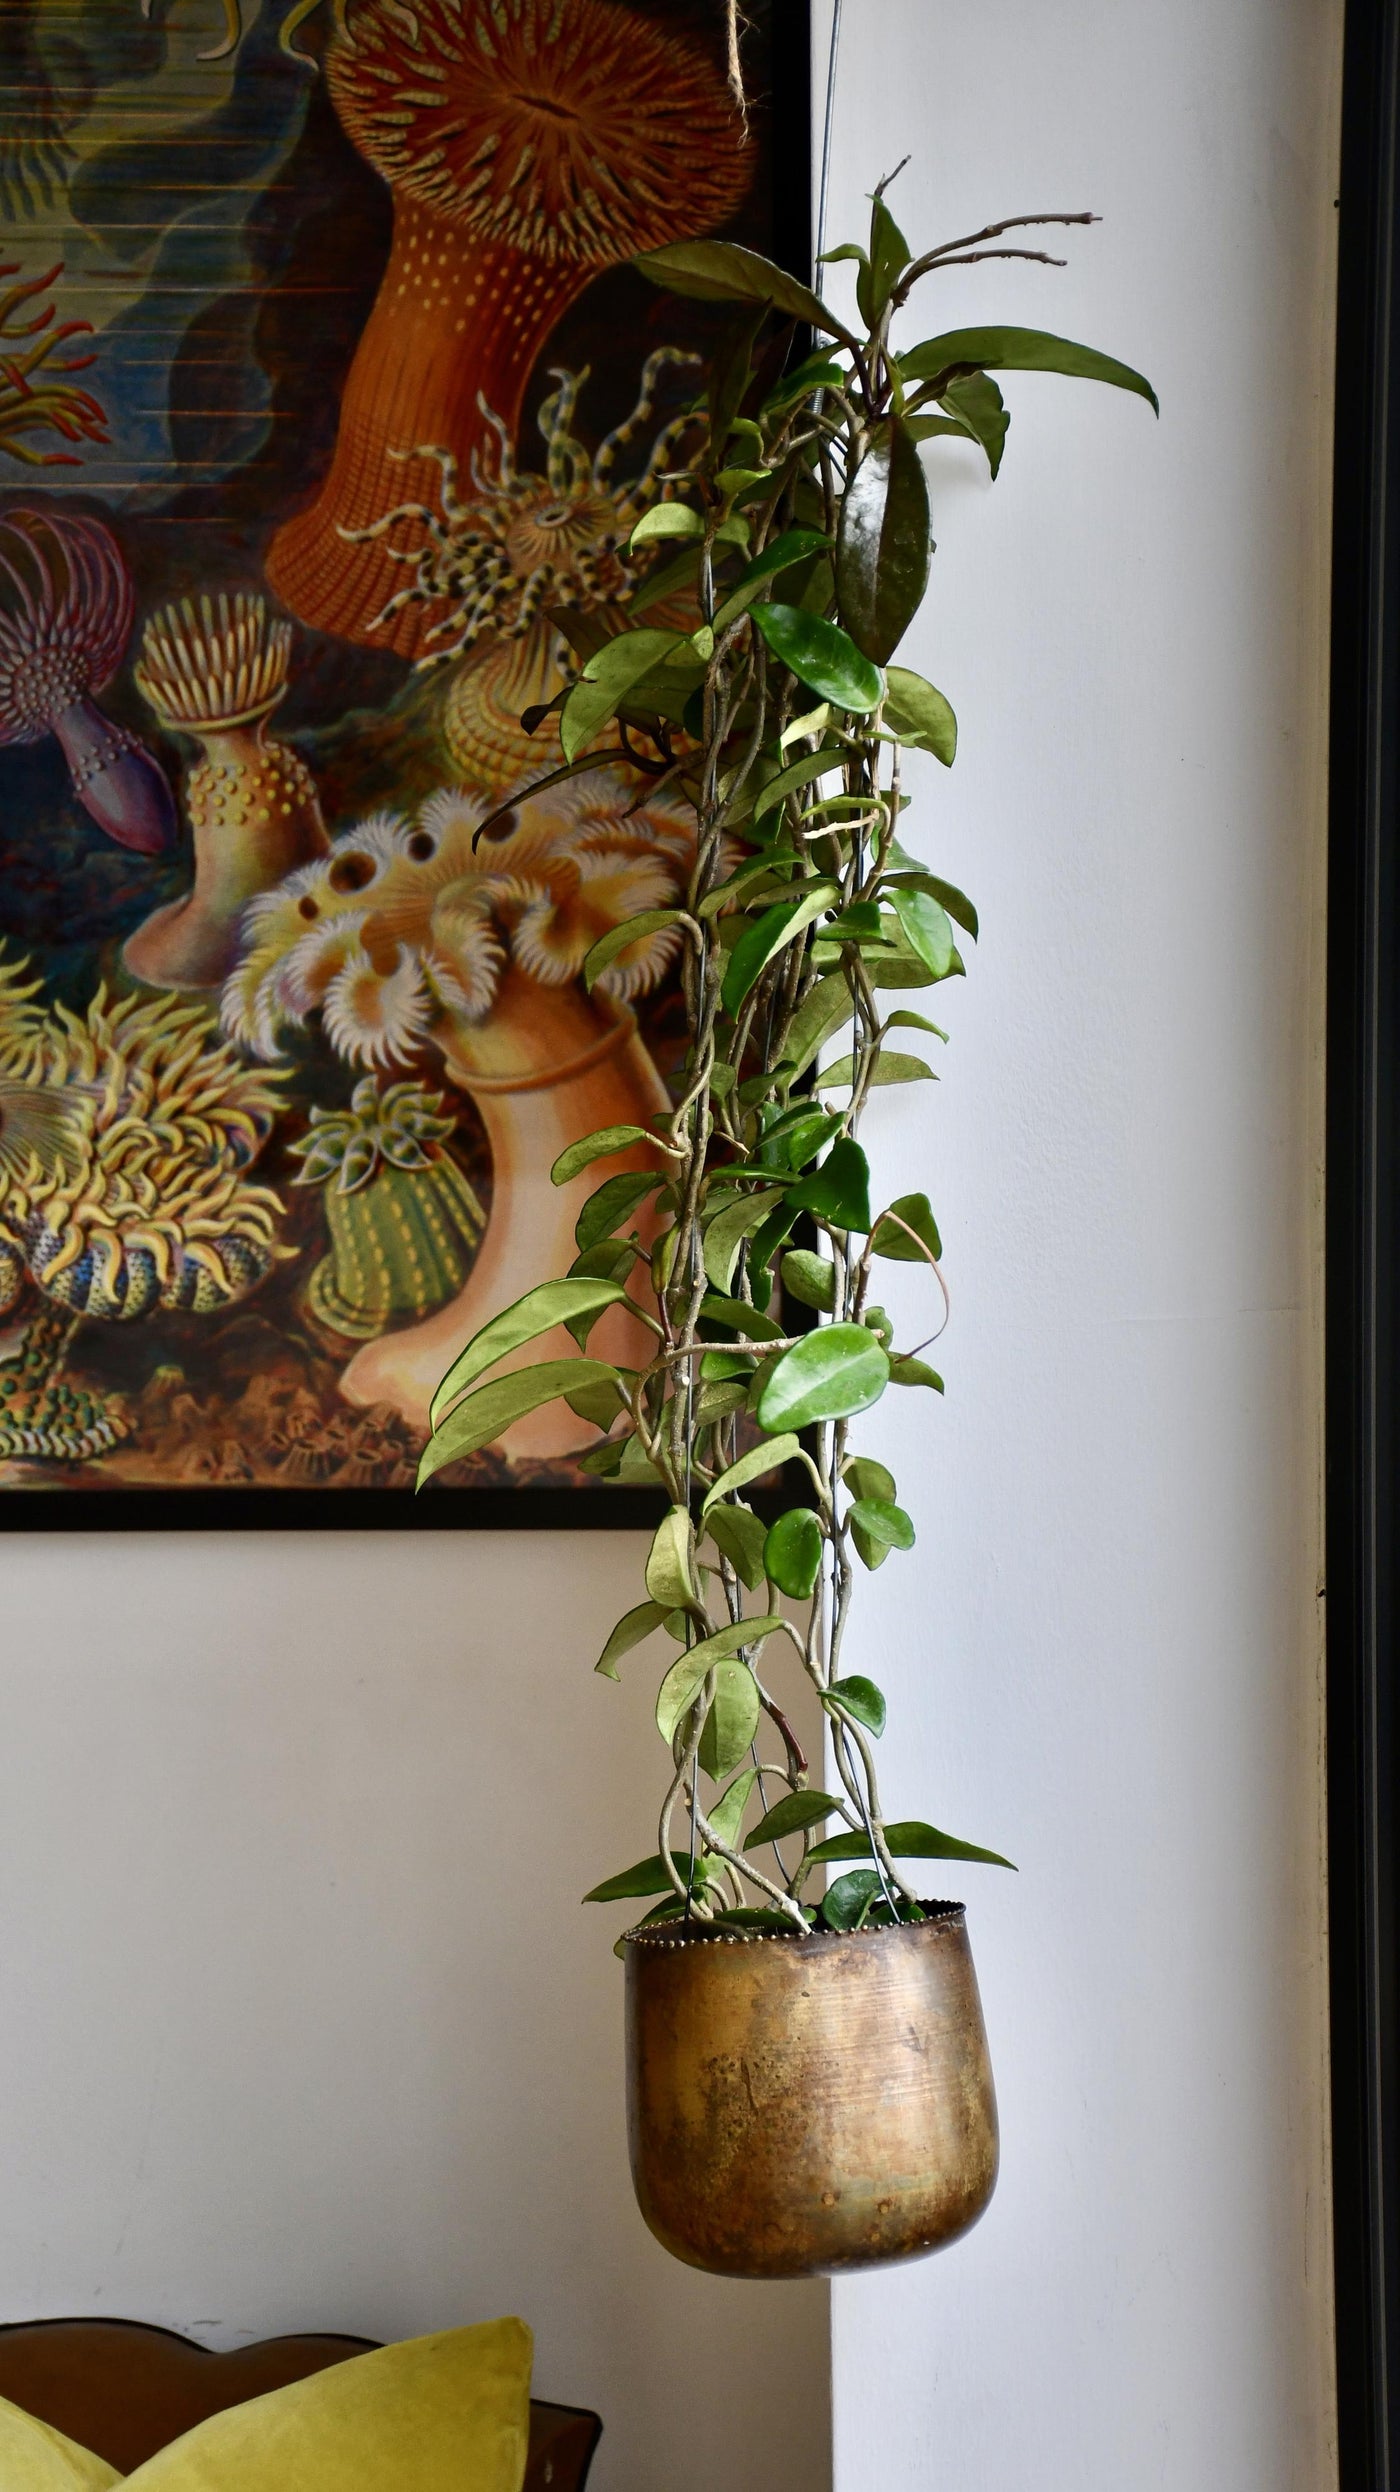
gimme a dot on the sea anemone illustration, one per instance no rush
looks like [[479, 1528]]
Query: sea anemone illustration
[[126, 1138], [528, 145], [37, 391], [488, 563], [404, 1220], [66, 611], [214, 669], [411, 937]]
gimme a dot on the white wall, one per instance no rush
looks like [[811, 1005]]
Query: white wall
[[1107, 1662], [287, 2039]]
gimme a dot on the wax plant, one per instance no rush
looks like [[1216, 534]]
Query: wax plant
[[803, 532]]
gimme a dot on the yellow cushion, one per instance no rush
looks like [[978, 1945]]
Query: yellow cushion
[[444, 2413], [35, 2458]]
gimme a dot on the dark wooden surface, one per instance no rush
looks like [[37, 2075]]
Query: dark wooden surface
[[125, 2390]]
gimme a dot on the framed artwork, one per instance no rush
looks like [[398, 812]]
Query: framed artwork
[[329, 399], [1363, 1267]]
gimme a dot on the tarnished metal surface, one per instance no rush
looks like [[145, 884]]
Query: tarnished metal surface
[[797, 2106]]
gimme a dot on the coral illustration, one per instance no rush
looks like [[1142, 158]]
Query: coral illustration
[[215, 669], [66, 611], [37, 391], [405, 1223], [528, 145], [126, 1137]]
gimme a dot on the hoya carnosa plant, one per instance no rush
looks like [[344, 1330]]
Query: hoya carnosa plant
[[803, 536]]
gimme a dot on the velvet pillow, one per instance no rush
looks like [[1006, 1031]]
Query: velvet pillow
[[446, 2413]]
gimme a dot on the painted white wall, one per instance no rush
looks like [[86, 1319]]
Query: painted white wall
[[1105, 1659], [282, 2042]]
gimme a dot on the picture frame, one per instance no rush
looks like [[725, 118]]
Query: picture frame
[[122, 542]]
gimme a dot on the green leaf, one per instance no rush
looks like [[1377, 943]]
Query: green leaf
[[727, 1816], [978, 403], [487, 1413], [1018, 350], [909, 1840], [872, 1553], [793, 546], [792, 1553], [810, 1279], [617, 939], [754, 1465], [765, 936], [731, 1721], [686, 1677], [954, 901], [905, 1370], [847, 1901], [600, 1403], [726, 1233], [861, 1699], [916, 708], [724, 272], [636, 1469], [669, 1576], [895, 1243], [554, 1302], [824, 1009], [638, 1624], [738, 1533], [865, 1477], [647, 1878], [915, 1021], [607, 678], [747, 1321], [889, 257], [601, 1145], [891, 1068], [883, 543], [666, 519], [838, 1191], [798, 774], [929, 929], [792, 1815], [830, 1374], [881, 1519], [615, 1201], [822, 656], [817, 373], [766, 1241]]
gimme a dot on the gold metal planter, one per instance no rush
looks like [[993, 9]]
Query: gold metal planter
[[802, 2105]]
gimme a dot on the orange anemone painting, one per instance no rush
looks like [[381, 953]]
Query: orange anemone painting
[[329, 401]]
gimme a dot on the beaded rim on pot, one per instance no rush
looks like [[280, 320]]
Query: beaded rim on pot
[[670, 1937]]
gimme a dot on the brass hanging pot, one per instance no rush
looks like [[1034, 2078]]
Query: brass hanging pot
[[802, 2105]]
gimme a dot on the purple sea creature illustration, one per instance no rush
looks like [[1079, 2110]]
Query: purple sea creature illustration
[[66, 612]]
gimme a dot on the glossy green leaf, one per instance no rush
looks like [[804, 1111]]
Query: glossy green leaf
[[648, 1877], [553, 1302], [797, 775], [830, 1374], [486, 1414], [956, 902], [737, 1532], [749, 1322], [977, 403], [864, 1477], [727, 1816], [1018, 350], [891, 1069], [793, 1814], [615, 1201], [754, 1465], [793, 546], [606, 950], [686, 1677], [824, 1009], [838, 1191], [600, 1403], [904, 1370], [847, 1900], [929, 929], [725, 1234], [631, 1630], [669, 1570], [601, 1145], [916, 708], [810, 1279], [916, 1213], [821, 656], [881, 1519], [861, 1699], [732, 1720], [883, 543], [792, 1553], [764, 937], [666, 519], [909, 1839], [607, 678], [816, 374], [724, 272]]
